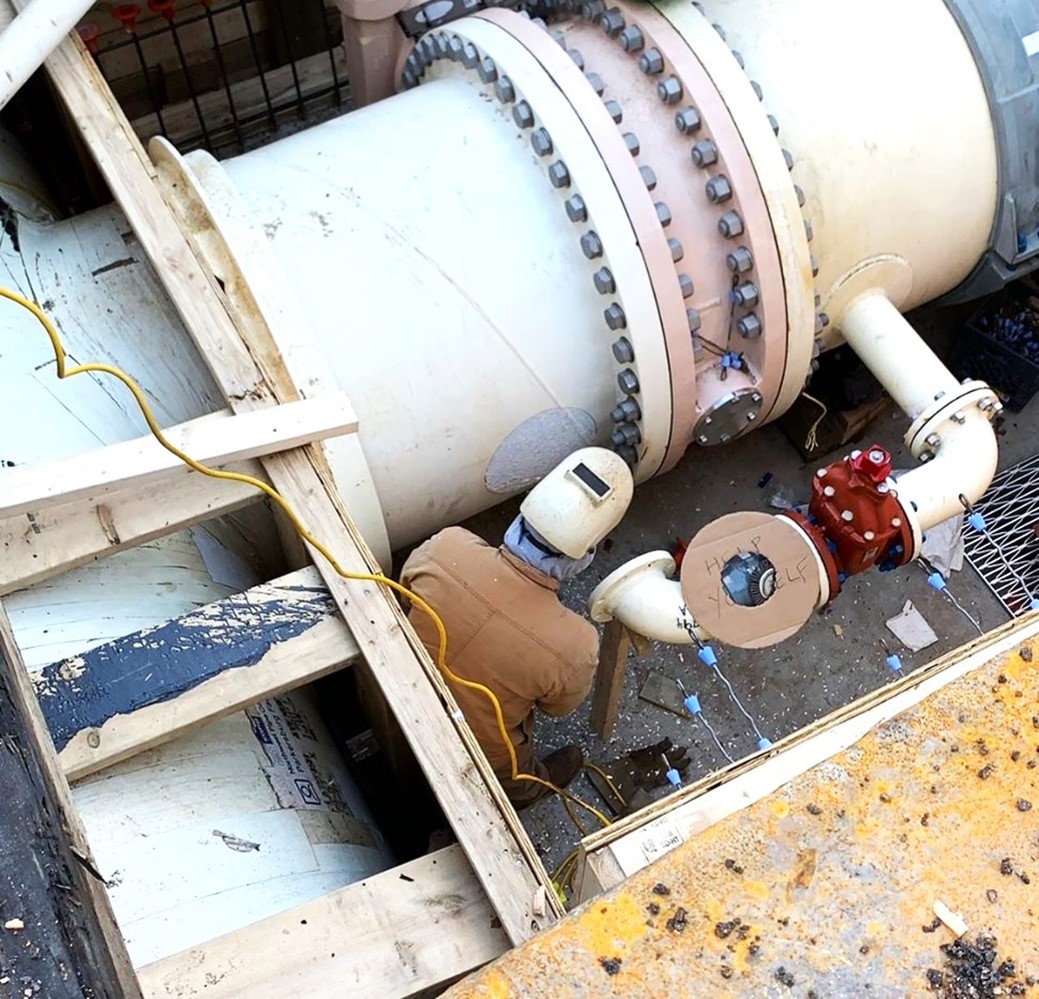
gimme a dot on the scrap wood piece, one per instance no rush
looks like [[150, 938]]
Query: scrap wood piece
[[910, 627], [662, 690], [147, 688], [64, 940]]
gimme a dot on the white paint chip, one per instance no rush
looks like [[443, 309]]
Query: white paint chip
[[911, 629], [14, 925], [953, 920], [1031, 43]]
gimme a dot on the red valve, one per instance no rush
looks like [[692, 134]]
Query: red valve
[[874, 463], [90, 33], [126, 14], [163, 7]]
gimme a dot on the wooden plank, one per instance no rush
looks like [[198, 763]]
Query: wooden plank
[[697, 807], [58, 937], [213, 440], [251, 372], [609, 678], [142, 690], [36, 547], [411, 928], [314, 74]]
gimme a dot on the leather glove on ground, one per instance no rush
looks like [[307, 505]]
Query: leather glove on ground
[[646, 765]]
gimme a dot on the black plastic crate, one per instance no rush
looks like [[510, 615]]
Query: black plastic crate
[[1000, 345]]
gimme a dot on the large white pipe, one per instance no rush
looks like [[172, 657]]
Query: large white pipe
[[36, 32]]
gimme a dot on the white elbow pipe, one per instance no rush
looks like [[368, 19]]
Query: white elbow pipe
[[951, 430], [644, 597], [36, 32]]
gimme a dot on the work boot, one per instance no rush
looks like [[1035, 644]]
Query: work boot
[[563, 765]]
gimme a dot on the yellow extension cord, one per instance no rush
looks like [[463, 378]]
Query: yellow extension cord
[[276, 497]]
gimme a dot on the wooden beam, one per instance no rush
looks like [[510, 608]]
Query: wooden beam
[[609, 678], [634, 842], [248, 364], [58, 937], [147, 688], [411, 928], [215, 440], [37, 547]]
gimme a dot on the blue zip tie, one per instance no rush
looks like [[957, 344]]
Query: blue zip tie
[[937, 580], [894, 663], [977, 521], [674, 778], [692, 704], [764, 743], [707, 656]]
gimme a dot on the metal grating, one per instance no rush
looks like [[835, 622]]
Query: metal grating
[[220, 75], [1007, 555]]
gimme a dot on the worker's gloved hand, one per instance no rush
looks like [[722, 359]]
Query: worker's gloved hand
[[646, 765]]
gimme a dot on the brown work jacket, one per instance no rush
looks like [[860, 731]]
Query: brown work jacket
[[505, 628]]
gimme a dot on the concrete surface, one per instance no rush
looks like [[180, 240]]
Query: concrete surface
[[789, 685]]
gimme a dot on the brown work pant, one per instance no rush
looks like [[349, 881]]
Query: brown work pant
[[523, 792]]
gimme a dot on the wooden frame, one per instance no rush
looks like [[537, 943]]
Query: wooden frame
[[260, 361]]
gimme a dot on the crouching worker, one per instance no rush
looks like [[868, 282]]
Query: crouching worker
[[506, 627]]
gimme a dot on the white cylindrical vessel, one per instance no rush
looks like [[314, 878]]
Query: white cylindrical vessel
[[885, 113]]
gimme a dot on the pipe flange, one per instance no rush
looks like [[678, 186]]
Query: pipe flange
[[728, 417], [924, 436]]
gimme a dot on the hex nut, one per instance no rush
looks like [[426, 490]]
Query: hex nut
[[596, 82], [718, 189], [623, 352], [504, 90], [649, 178], [592, 10], [730, 225], [631, 140], [688, 120], [428, 48], [628, 454], [749, 327], [692, 317], [558, 37], [612, 22], [559, 175], [773, 124], [669, 90], [746, 295], [800, 195], [822, 320], [470, 56], [576, 57], [738, 56], [455, 48], [625, 411], [408, 79], [615, 318], [488, 70], [632, 39], [685, 285], [603, 280], [414, 62], [809, 231], [663, 213], [522, 115], [626, 434], [758, 92], [576, 210], [651, 62], [614, 109], [720, 30], [815, 266], [628, 382], [591, 245], [788, 158], [440, 41], [740, 260], [704, 153], [676, 248], [541, 141]]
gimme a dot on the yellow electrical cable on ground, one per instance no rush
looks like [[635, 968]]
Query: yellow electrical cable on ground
[[215, 473]]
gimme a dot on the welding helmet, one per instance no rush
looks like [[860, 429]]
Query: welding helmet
[[580, 501]]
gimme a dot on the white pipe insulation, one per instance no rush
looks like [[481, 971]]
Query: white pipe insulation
[[25, 43]]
